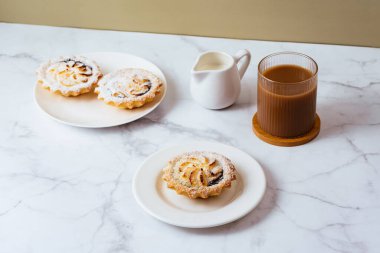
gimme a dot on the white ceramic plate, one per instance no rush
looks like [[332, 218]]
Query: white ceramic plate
[[166, 205], [86, 110]]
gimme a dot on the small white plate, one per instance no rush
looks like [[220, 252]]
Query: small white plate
[[86, 110], [166, 205]]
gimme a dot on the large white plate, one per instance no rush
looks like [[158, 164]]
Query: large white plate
[[86, 110], [164, 204]]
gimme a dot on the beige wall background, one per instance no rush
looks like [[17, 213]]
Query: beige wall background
[[350, 22]]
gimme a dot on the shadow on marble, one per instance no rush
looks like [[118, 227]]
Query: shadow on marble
[[342, 115], [237, 107], [256, 216], [249, 86], [170, 100]]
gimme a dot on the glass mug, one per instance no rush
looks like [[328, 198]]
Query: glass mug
[[287, 94]]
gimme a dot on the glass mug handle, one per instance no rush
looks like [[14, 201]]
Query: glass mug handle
[[244, 53]]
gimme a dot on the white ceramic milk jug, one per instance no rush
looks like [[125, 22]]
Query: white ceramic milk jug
[[215, 78]]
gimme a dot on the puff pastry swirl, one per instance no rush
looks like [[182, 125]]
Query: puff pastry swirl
[[199, 174], [69, 76], [128, 88]]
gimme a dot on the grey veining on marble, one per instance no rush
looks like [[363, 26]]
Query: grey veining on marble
[[66, 189]]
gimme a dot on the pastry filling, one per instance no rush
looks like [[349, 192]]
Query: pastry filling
[[140, 87], [199, 171], [216, 180], [70, 72]]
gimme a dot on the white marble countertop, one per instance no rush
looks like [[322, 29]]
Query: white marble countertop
[[66, 189]]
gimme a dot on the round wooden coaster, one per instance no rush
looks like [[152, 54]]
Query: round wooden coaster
[[286, 142]]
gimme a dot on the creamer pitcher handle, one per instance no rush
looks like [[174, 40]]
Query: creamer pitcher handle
[[238, 57]]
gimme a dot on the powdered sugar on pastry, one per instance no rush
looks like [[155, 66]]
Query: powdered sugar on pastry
[[69, 76], [199, 174], [128, 88]]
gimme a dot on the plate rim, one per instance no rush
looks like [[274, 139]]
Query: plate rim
[[36, 87], [195, 225]]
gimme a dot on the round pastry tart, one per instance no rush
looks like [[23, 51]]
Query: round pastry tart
[[199, 174], [128, 88], [69, 76]]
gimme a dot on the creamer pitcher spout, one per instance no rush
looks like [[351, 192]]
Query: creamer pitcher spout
[[199, 75], [198, 72]]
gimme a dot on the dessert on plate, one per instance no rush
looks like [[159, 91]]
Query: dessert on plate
[[199, 174], [69, 76], [128, 88]]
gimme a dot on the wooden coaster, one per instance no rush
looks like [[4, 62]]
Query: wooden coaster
[[286, 142]]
